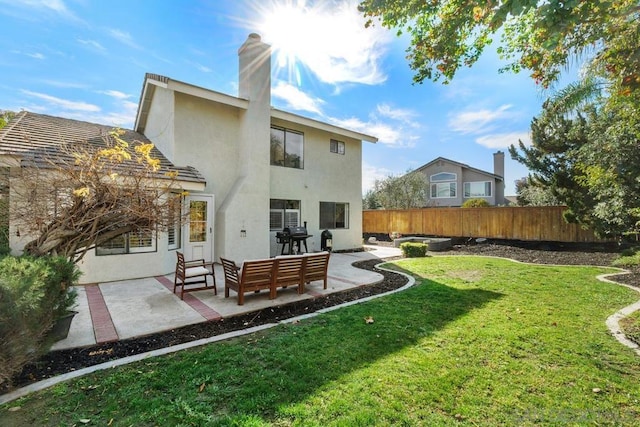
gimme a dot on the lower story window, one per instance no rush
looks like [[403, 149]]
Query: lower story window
[[129, 243], [477, 189], [334, 215], [174, 230], [443, 190], [284, 213]]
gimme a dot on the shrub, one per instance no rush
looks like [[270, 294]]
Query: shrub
[[475, 203], [34, 292], [413, 249], [628, 258]]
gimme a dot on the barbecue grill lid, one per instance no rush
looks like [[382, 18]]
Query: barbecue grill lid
[[294, 230]]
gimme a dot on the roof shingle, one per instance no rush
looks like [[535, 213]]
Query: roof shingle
[[38, 137]]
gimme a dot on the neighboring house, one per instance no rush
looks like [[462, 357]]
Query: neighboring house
[[252, 170], [452, 183]]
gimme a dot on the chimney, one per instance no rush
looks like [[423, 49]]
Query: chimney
[[255, 70], [498, 164]]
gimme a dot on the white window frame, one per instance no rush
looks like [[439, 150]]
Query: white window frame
[[438, 187], [468, 189], [284, 217], [444, 177], [128, 248], [175, 227]]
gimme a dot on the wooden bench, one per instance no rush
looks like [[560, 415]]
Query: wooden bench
[[316, 267], [289, 271], [252, 277], [274, 273], [186, 271]]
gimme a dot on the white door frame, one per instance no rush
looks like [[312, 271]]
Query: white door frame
[[202, 245]]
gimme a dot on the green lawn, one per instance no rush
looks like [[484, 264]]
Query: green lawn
[[478, 341]]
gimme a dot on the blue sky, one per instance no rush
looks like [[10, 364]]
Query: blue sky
[[87, 59]]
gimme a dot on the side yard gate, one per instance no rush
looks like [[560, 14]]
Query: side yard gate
[[531, 223]]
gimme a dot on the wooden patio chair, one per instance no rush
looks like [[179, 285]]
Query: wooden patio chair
[[316, 267], [187, 271], [289, 271], [253, 277]]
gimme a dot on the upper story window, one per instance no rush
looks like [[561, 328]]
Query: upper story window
[[287, 148], [336, 146], [444, 185], [443, 176], [477, 189]]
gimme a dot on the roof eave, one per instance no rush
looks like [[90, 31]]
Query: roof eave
[[153, 80], [316, 124]]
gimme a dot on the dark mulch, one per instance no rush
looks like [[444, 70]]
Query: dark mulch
[[63, 361]]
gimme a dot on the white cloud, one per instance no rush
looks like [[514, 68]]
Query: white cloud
[[64, 103], [92, 44], [504, 140], [400, 114], [393, 127], [327, 37], [115, 94], [58, 83], [386, 133], [36, 55], [123, 37], [372, 173], [122, 116], [203, 68], [297, 99], [479, 121], [26, 9]]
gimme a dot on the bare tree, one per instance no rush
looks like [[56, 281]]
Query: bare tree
[[79, 196]]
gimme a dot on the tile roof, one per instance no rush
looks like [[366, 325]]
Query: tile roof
[[37, 138]]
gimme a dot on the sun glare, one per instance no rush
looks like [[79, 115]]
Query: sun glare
[[325, 37]]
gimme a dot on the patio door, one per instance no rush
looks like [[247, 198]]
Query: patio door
[[199, 226]]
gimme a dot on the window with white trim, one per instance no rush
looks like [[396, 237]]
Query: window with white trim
[[283, 213], [336, 146], [443, 185], [477, 189], [129, 243], [334, 215], [174, 230]]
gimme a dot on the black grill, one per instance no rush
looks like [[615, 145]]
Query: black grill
[[295, 231], [293, 237]]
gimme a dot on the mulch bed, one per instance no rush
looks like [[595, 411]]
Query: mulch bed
[[63, 361]]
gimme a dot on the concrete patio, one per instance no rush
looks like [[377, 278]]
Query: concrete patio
[[125, 309]]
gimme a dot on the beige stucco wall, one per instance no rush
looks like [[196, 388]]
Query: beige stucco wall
[[326, 177], [160, 122]]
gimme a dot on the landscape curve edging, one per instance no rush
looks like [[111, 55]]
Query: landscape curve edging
[[49, 382], [613, 321]]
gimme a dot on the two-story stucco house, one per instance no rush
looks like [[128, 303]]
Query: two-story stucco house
[[253, 170], [452, 183]]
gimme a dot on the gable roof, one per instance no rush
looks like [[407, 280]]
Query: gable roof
[[37, 138], [151, 81], [462, 165]]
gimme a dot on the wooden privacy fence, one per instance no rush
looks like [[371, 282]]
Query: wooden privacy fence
[[533, 223]]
